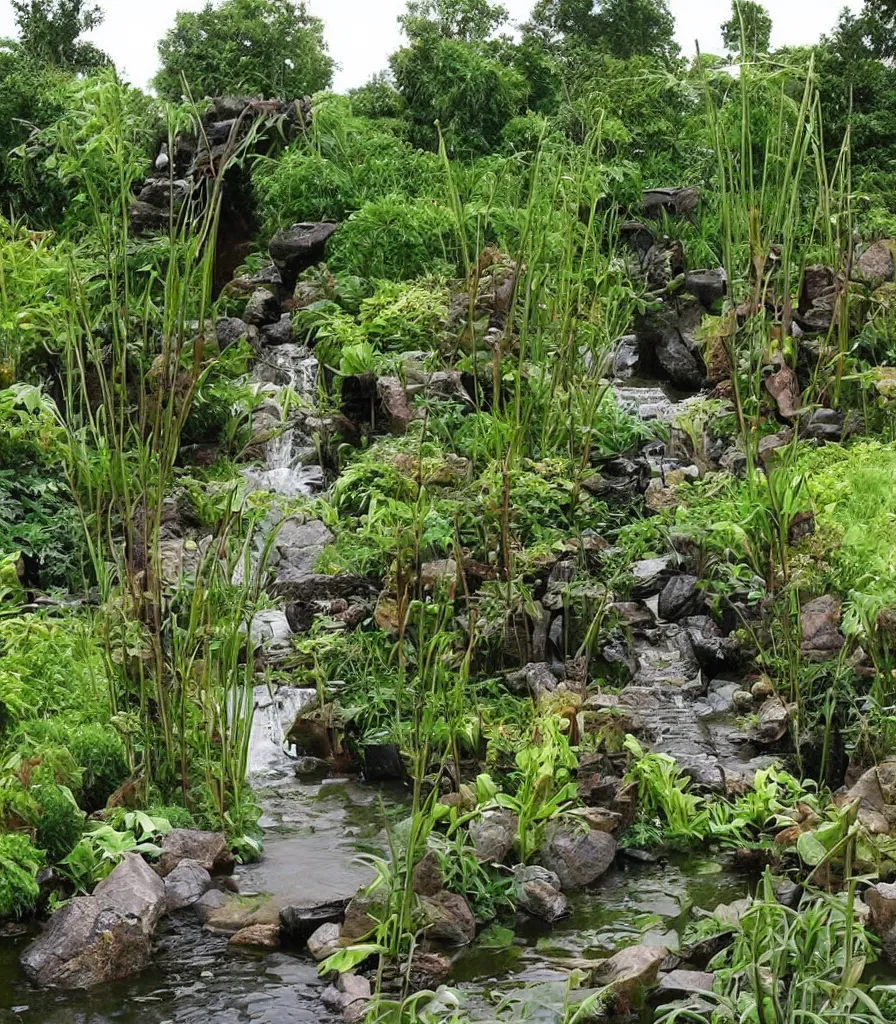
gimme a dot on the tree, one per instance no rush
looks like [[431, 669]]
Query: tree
[[273, 48], [455, 73], [619, 28], [467, 21], [749, 29], [50, 31]]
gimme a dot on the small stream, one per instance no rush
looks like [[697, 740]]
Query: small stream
[[313, 834]]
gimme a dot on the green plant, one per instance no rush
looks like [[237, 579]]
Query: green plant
[[19, 865], [103, 846], [269, 48]]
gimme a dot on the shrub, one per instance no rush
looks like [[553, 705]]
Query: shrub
[[19, 864], [396, 239]]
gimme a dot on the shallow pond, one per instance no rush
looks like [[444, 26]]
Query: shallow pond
[[313, 832]]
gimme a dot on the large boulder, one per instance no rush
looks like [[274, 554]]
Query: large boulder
[[208, 848], [577, 857], [449, 918], [186, 885], [681, 596], [493, 835], [298, 247], [630, 972], [100, 938]]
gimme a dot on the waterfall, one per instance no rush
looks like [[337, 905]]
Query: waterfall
[[282, 371]]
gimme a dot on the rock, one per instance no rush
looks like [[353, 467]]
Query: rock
[[324, 942], [100, 938], [298, 247], [299, 923], [820, 628], [540, 679], [349, 996], [818, 298], [708, 642], [443, 573], [875, 265], [679, 362], [134, 890], [784, 387], [881, 900], [578, 858], [769, 444], [825, 425], [651, 574], [86, 944], [538, 894], [428, 970], [298, 545], [279, 332], [359, 922], [230, 330], [789, 894], [634, 357], [674, 201], [772, 721], [208, 848], [493, 835], [629, 972], [263, 308], [450, 917], [680, 984], [309, 594], [261, 936], [311, 767], [664, 656], [383, 762], [742, 700], [708, 286], [680, 597], [185, 885], [427, 875], [206, 905], [396, 404]]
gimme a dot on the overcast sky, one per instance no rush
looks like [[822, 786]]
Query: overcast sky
[[362, 33]]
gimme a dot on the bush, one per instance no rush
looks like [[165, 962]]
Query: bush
[[268, 48], [467, 90], [19, 865], [344, 162], [394, 239]]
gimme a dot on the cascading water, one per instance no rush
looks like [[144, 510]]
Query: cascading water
[[275, 713], [286, 370]]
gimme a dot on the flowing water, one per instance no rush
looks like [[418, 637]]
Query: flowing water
[[313, 834], [281, 372]]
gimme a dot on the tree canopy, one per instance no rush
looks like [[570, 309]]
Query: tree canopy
[[248, 47], [50, 33], [749, 29]]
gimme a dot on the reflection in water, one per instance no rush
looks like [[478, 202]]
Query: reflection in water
[[314, 830]]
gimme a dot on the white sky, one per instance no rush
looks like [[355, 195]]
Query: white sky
[[362, 33]]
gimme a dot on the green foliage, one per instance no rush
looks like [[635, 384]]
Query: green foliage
[[103, 846], [397, 239], [748, 32], [267, 48], [38, 517], [621, 28], [766, 975], [342, 162], [19, 865], [50, 31], [464, 88]]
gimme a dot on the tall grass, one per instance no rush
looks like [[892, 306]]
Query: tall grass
[[136, 350]]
